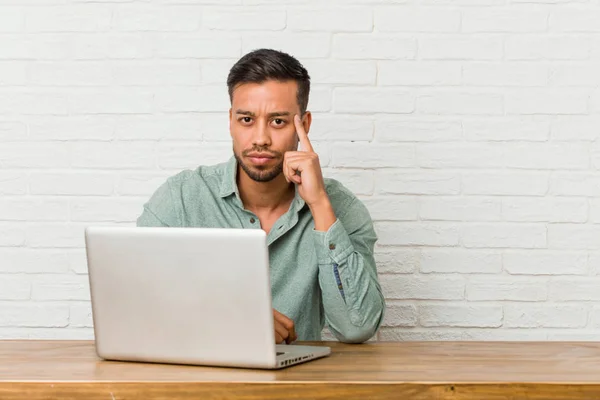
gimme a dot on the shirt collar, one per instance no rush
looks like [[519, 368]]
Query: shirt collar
[[229, 185]]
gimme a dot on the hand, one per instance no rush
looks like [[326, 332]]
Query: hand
[[303, 168], [285, 330]]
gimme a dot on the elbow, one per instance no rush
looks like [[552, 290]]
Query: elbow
[[357, 335]]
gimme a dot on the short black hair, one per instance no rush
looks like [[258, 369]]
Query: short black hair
[[262, 65]]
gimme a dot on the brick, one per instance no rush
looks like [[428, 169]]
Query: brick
[[460, 316], [595, 149], [17, 287], [200, 99], [503, 334], [342, 72], [432, 183], [13, 183], [410, 334], [370, 100], [445, 103], [574, 289], [400, 315], [397, 261], [359, 182], [320, 99], [13, 73], [545, 101], [163, 127], [575, 75], [547, 316], [72, 183], [574, 336], [389, 129], [545, 263], [575, 184], [506, 129], [124, 46], [142, 73], [547, 156], [34, 209], [441, 208], [69, 18], [574, 128], [575, 20], [556, 209], [460, 155], [33, 155], [373, 46], [513, 19], [112, 101], [12, 19], [33, 103], [81, 73], [340, 127], [417, 234], [511, 289], [373, 155], [190, 155], [215, 71], [30, 261], [505, 183], [594, 211], [302, 45], [547, 47], [194, 45], [595, 317], [460, 261], [77, 261], [113, 155], [13, 131], [404, 287], [34, 46], [520, 236], [63, 287], [20, 314], [57, 333], [505, 74], [331, 20], [421, 19], [11, 235], [80, 315], [140, 183], [421, 73], [573, 237], [231, 20], [391, 208], [55, 235], [106, 209], [142, 17], [79, 128], [460, 48]]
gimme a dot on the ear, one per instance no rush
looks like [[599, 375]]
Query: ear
[[230, 116], [307, 121]]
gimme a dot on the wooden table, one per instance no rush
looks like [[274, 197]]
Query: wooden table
[[36, 370]]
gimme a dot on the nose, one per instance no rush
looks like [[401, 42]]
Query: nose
[[261, 138]]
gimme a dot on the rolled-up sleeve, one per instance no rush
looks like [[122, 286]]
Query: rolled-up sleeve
[[352, 299]]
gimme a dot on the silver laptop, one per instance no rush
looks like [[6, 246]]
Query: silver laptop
[[186, 296]]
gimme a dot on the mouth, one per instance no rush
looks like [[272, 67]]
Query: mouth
[[260, 158]]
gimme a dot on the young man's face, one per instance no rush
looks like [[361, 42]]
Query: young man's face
[[261, 123]]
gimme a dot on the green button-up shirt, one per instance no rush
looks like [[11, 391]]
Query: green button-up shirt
[[316, 277]]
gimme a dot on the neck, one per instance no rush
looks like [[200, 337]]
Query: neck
[[266, 196]]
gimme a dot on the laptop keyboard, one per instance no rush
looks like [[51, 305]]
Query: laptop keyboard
[[279, 353]]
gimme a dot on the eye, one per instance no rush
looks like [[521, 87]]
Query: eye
[[278, 122], [245, 120]]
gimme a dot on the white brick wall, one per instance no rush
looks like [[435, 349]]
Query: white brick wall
[[475, 122]]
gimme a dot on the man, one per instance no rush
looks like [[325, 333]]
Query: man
[[320, 236]]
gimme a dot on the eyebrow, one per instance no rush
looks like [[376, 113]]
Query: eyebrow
[[270, 115]]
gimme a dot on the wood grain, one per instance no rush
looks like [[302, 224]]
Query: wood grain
[[414, 370]]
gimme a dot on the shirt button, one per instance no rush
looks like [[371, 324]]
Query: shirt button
[[252, 220], [331, 246]]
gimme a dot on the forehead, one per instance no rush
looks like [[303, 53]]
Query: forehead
[[266, 95]]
